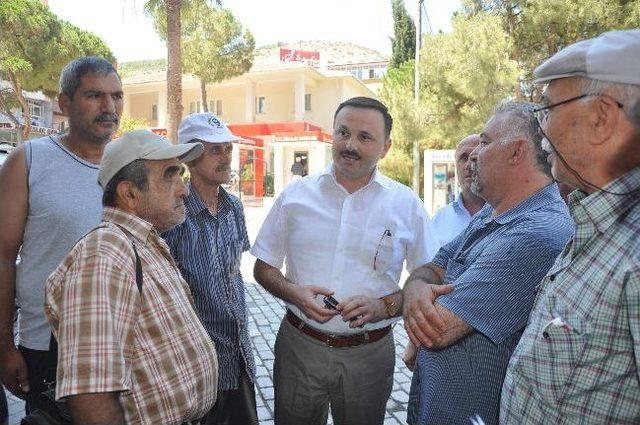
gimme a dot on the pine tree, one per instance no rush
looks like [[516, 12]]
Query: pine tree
[[403, 44]]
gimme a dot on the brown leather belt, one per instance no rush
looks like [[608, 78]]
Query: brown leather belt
[[338, 340]]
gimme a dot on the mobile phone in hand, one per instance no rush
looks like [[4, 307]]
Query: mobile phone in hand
[[330, 302]]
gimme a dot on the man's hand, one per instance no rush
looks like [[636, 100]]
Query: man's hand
[[410, 355], [13, 371], [424, 324], [358, 310], [305, 298]]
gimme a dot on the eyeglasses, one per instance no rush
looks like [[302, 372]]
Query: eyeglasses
[[385, 234], [222, 149], [543, 113]]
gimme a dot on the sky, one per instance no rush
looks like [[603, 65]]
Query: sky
[[123, 25]]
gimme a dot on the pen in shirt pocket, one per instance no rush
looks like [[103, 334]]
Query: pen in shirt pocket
[[557, 322]]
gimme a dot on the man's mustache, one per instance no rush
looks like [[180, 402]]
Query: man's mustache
[[546, 146], [351, 153], [107, 117]]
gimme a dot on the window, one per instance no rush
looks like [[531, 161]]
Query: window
[[307, 101], [194, 107], [260, 105], [154, 112], [212, 103], [35, 110], [218, 107]]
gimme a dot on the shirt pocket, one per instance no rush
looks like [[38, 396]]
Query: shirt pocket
[[235, 256], [381, 250], [453, 271], [553, 353]]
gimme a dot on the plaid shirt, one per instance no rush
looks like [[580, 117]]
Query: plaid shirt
[[150, 348], [578, 359]]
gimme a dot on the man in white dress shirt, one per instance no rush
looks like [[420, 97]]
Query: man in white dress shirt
[[344, 233], [450, 220]]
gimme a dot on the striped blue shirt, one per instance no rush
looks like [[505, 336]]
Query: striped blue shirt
[[208, 249], [495, 266]]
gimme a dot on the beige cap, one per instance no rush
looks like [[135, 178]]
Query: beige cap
[[141, 144]]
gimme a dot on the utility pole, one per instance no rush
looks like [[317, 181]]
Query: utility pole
[[416, 98]]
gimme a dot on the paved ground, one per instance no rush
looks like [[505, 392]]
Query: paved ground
[[265, 313]]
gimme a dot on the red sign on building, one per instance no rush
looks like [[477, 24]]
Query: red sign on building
[[290, 55], [159, 131]]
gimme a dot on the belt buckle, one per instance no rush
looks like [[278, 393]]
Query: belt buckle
[[329, 338]]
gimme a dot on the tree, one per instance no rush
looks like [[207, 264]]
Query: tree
[[167, 15], [458, 90], [215, 47], [409, 121], [403, 43], [34, 47], [540, 28]]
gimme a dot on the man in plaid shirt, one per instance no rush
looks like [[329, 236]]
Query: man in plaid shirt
[[131, 348], [577, 361]]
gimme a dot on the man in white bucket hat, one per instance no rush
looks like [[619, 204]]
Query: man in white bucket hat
[[208, 247], [130, 346]]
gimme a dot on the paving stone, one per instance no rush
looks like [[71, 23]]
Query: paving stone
[[401, 416], [267, 393], [264, 414], [400, 396], [264, 381]]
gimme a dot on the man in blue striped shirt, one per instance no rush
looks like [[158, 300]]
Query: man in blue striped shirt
[[469, 328], [208, 247]]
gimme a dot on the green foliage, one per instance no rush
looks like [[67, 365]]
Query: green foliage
[[540, 28], [34, 47], [188, 12], [410, 120], [463, 75], [403, 43], [490, 55], [215, 47], [397, 165], [129, 123]]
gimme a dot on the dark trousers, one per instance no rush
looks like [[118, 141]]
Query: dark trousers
[[4, 412], [235, 407], [41, 368]]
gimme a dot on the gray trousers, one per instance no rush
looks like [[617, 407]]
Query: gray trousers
[[309, 376]]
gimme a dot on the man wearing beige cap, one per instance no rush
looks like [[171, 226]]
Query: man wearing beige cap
[[577, 361], [208, 248], [130, 346]]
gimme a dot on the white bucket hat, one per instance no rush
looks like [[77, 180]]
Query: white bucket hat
[[204, 127]]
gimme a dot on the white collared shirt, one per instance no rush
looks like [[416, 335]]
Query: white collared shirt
[[334, 239], [450, 220]]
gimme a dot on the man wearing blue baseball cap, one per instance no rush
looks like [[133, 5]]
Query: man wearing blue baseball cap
[[208, 247], [577, 361]]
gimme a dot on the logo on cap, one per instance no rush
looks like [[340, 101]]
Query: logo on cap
[[214, 122]]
